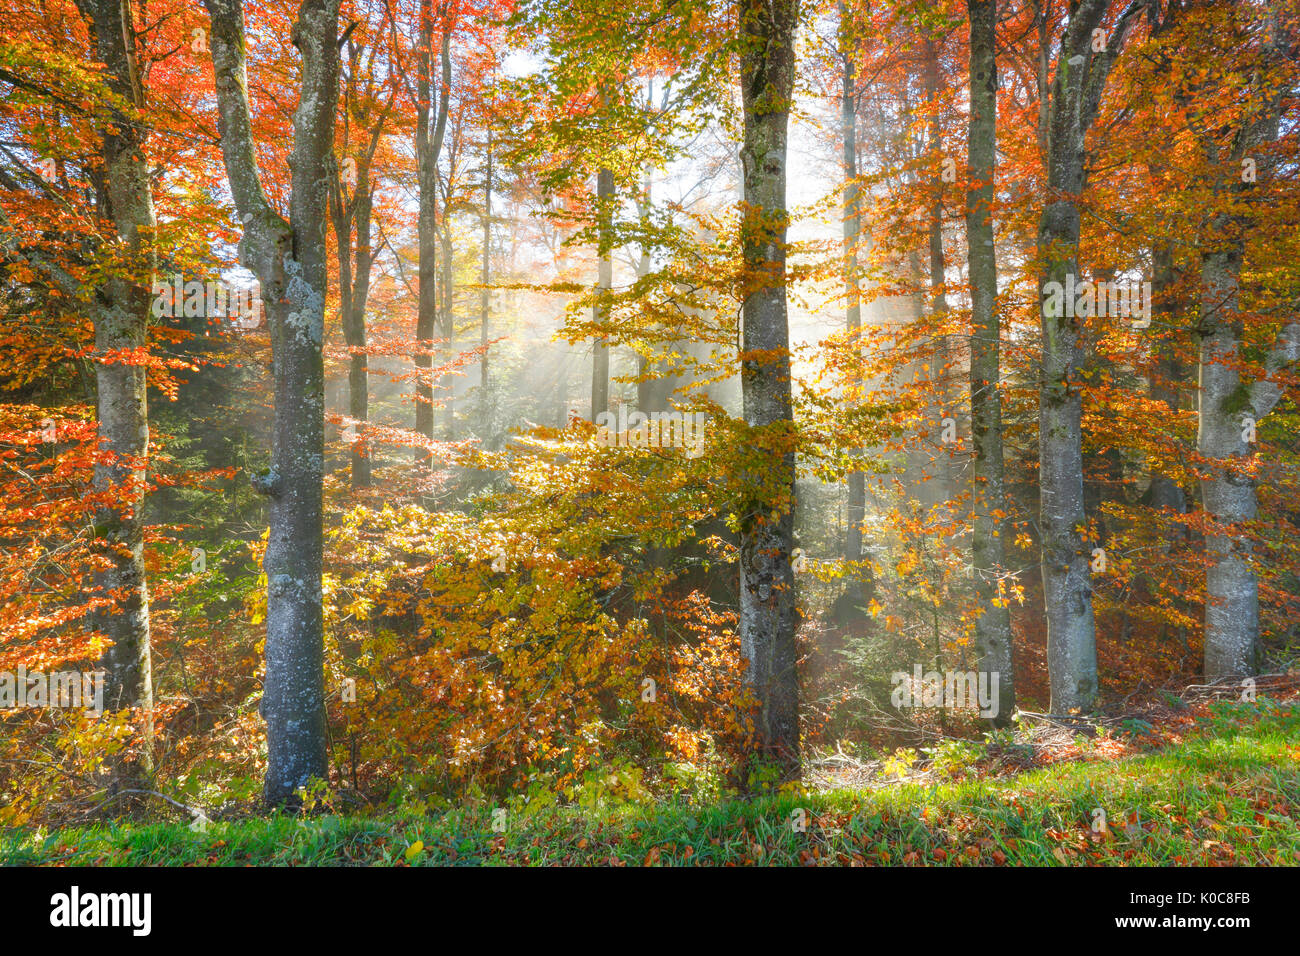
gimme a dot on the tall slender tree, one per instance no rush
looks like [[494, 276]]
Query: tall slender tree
[[352, 190], [989, 501], [124, 198], [1084, 63], [857, 497], [1229, 410], [767, 595], [430, 128], [604, 282]]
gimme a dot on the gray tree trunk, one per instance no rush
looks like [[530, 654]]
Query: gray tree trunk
[[942, 486], [857, 484], [484, 300], [355, 333], [1228, 409], [767, 594], [1076, 94], [448, 309], [988, 498], [1228, 493], [430, 127], [354, 291], [121, 315], [290, 260], [605, 282]]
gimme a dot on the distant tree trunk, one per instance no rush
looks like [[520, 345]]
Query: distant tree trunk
[[430, 127], [121, 313], [853, 301], [1228, 495], [605, 281], [448, 312], [355, 334], [290, 260], [1228, 410], [943, 484], [1076, 94], [652, 394], [354, 291], [988, 499], [484, 298], [767, 594]]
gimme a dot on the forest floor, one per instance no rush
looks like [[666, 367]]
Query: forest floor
[[1217, 783]]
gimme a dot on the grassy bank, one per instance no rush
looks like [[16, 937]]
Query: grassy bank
[[1227, 793]]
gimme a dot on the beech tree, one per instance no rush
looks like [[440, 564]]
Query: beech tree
[[988, 525], [1084, 62], [856, 480], [768, 614], [121, 308], [1229, 408], [289, 258], [369, 106], [430, 128]]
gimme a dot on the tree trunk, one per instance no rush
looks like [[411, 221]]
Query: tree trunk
[[428, 146], [448, 313], [354, 291], [355, 332], [1227, 492], [857, 485], [1228, 411], [1076, 92], [767, 595], [290, 260], [941, 487], [988, 499], [605, 281], [121, 313], [484, 299]]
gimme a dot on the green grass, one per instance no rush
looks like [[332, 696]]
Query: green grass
[[1227, 794]]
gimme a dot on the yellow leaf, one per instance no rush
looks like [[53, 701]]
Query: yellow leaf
[[414, 850]]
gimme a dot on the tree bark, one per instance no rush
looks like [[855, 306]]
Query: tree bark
[[354, 292], [428, 146], [767, 595], [355, 336], [941, 487], [122, 302], [1227, 493], [857, 485], [290, 260], [484, 298], [605, 281], [988, 499], [1076, 94], [1226, 407], [448, 310]]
